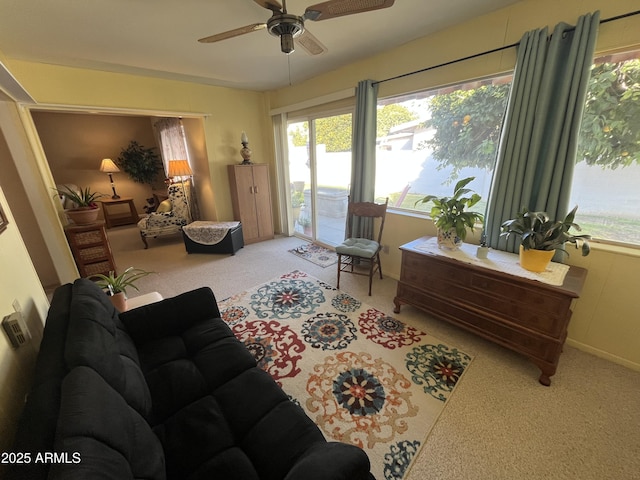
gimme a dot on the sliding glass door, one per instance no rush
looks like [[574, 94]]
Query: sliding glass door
[[319, 173]]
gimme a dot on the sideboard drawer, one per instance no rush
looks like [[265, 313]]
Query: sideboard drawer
[[538, 310]]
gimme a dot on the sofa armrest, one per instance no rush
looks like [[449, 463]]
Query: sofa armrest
[[332, 460], [170, 316]]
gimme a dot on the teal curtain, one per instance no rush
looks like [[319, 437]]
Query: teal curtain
[[537, 152], [363, 163]]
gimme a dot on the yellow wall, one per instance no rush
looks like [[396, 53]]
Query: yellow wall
[[18, 281], [605, 320]]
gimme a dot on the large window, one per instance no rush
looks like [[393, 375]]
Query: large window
[[429, 140], [607, 175]]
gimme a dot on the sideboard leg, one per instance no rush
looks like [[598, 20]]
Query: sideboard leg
[[397, 304], [544, 379]]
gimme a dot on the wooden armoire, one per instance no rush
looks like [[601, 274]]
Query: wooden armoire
[[251, 199]]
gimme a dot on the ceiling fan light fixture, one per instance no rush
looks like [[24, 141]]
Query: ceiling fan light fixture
[[285, 24], [286, 43]]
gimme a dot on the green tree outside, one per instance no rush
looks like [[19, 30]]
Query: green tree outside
[[335, 132], [467, 122]]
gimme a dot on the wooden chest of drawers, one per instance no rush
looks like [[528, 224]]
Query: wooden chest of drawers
[[527, 316], [90, 247]]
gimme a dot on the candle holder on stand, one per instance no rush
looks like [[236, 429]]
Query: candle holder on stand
[[245, 151]]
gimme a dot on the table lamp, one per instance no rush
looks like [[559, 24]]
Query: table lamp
[[107, 166]]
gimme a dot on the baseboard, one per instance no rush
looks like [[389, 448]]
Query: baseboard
[[602, 354]]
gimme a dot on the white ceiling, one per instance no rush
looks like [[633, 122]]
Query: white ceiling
[[159, 37]]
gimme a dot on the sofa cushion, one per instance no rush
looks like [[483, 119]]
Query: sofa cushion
[[101, 435], [98, 339], [272, 430], [182, 368], [212, 407], [199, 443]]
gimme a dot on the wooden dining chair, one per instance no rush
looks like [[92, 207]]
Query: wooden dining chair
[[361, 249]]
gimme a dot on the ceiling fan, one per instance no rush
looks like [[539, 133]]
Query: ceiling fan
[[288, 26]]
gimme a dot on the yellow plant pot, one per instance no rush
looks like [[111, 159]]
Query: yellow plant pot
[[535, 260]]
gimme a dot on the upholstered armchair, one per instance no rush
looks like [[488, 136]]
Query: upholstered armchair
[[171, 215]]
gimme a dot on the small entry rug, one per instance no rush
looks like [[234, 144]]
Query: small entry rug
[[316, 254], [362, 376]]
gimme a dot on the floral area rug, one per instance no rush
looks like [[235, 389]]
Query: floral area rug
[[316, 254], [364, 377]]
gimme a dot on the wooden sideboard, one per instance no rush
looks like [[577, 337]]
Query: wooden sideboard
[[525, 315]]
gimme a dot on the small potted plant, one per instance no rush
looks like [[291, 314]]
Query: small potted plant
[[297, 200], [116, 285], [540, 237], [86, 209], [450, 217]]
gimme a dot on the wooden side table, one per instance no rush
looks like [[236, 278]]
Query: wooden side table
[[91, 250], [115, 214]]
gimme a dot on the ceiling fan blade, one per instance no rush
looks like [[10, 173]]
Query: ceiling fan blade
[[338, 8], [233, 33], [272, 5], [310, 44]]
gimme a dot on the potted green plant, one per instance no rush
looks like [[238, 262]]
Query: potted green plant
[[116, 285], [140, 163], [541, 237], [86, 209], [297, 199], [450, 216]]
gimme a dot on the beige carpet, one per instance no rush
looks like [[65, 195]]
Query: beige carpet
[[500, 424]]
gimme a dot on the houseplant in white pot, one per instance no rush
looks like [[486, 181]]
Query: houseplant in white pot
[[116, 285], [540, 237], [451, 218], [86, 209]]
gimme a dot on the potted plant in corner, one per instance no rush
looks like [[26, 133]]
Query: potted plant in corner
[[116, 286], [450, 217], [86, 209], [140, 163], [540, 237]]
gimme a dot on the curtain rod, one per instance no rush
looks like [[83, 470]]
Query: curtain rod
[[476, 55]]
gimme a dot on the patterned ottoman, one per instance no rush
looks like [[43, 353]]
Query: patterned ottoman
[[213, 237]]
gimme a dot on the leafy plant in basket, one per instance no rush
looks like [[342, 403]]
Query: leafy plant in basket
[[538, 232], [450, 216]]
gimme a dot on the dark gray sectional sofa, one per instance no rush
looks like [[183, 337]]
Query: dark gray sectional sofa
[[164, 391]]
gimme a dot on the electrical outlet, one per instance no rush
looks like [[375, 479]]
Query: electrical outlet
[[385, 249], [16, 305]]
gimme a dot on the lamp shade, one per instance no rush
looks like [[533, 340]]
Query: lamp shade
[[107, 166], [179, 168]]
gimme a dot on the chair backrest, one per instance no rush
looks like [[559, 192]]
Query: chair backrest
[[359, 228], [178, 193]]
